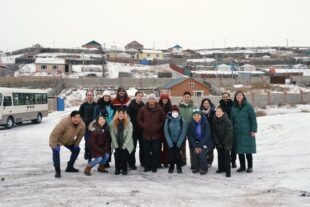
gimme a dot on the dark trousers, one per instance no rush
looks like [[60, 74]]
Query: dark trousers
[[210, 156], [200, 160], [75, 150], [87, 155], [164, 152], [233, 154], [121, 159], [223, 160], [183, 152], [132, 156], [174, 155], [151, 149], [249, 159]]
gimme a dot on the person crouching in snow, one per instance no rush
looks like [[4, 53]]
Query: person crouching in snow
[[199, 135], [68, 132], [99, 144], [121, 133], [175, 133], [223, 139]]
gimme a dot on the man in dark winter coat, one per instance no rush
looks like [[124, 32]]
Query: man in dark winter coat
[[223, 139], [151, 118], [132, 110], [87, 112], [226, 104], [200, 141]]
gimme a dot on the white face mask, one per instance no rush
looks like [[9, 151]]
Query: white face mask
[[175, 114]]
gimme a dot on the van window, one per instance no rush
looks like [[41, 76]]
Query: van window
[[7, 101]]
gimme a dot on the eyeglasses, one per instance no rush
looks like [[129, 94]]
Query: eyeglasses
[[196, 110]]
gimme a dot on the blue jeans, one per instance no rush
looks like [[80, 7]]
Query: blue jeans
[[99, 160], [75, 151]]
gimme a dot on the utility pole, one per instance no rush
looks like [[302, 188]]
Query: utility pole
[[102, 50]]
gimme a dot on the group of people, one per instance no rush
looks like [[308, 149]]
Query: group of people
[[161, 129]]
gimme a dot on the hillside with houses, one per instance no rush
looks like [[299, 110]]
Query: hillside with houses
[[204, 72]]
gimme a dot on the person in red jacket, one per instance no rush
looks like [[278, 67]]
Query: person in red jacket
[[165, 103], [122, 99], [99, 144], [151, 118]]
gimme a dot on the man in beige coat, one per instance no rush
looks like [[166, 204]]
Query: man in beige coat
[[68, 132]]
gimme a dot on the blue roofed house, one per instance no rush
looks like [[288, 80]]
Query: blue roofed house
[[177, 49]]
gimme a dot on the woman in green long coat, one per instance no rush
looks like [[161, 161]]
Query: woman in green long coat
[[244, 123]]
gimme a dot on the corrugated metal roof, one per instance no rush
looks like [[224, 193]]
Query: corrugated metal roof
[[173, 83]]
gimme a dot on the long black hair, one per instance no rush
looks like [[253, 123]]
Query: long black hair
[[210, 102]]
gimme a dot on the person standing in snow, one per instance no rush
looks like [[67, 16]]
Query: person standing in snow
[[199, 136], [186, 107], [244, 122], [87, 112], [132, 110], [208, 109], [175, 133], [223, 140], [226, 104], [68, 132], [121, 133], [151, 119], [165, 104], [99, 145], [122, 99], [105, 108]]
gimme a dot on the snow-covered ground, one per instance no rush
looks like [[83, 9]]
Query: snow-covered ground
[[280, 178]]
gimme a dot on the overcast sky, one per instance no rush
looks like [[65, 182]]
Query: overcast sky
[[159, 23]]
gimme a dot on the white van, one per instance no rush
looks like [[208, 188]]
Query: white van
[[19, 105]]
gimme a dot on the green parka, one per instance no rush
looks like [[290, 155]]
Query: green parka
[[244, 122]]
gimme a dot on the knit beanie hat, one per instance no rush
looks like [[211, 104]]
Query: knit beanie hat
[[196, 111], [151, 96], [174, 108]]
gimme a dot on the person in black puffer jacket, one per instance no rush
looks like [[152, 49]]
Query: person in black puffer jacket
[[87, 111], [223, 140]]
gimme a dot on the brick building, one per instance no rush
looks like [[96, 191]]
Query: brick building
[[178, 86]]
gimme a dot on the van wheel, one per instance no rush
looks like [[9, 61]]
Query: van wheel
[[9, 123], [38, 120]]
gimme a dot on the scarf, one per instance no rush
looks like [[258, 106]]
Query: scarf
[[120, 134]]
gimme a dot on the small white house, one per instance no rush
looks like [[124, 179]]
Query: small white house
[[248, 67], [224, 67]]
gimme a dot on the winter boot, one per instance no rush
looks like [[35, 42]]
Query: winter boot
[[87, 170], [71, 169], [170, 170], [102, 169], [117, 172], [233, 164], [242, 163], [124, 172], [250, 164], [179, 170], [57, 172]]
